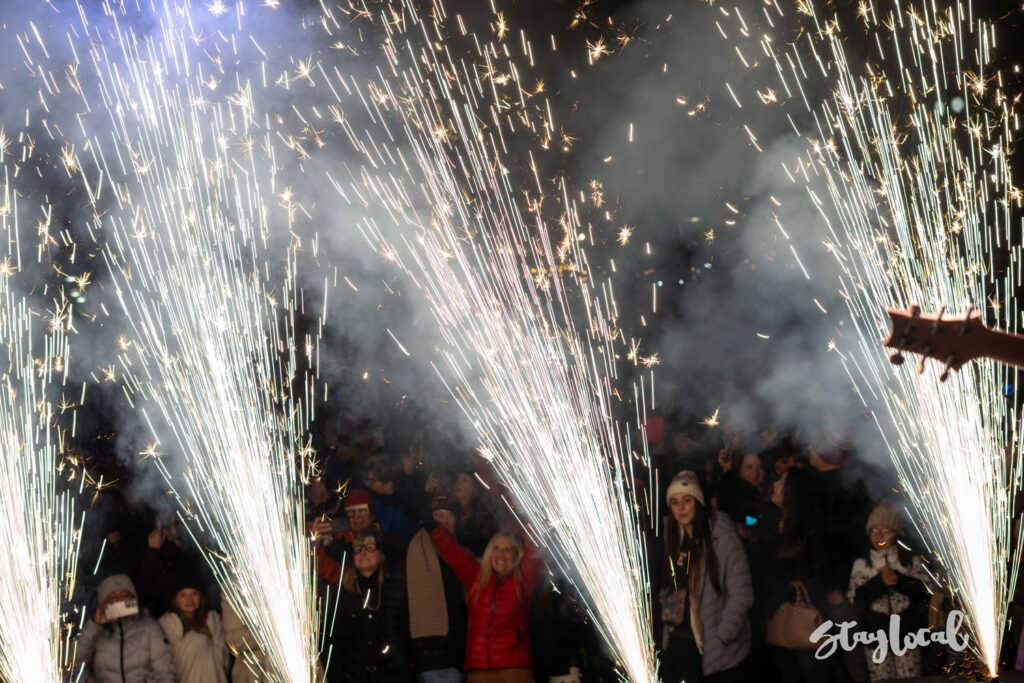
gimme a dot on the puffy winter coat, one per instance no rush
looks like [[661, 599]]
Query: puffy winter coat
[[725, 626], [497, 635], [129, 650], [198, 658]]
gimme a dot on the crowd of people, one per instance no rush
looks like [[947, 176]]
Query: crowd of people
[[428, 577]]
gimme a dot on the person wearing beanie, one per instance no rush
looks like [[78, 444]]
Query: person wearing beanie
[[335, 548], [704, 590], [889, 579], [122, 643], [430, 608], [196, 635]]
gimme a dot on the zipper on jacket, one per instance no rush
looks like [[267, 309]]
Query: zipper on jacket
[[120, 629]]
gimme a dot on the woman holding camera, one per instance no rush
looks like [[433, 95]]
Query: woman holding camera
[[196, 635], [121, 643]]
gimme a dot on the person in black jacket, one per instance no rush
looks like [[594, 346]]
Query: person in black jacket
[[889, 579], [357, 650], [429, 606]]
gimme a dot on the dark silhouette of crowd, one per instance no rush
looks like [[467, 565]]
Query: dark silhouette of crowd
[[427, 576]]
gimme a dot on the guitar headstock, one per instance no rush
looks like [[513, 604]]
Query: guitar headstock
[[951, 340]]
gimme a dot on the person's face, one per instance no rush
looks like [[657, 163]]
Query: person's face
[[367, 557], [118, 596], [359, 518], [381, 488], [751, 470], [684, 508], [186, 601], [503, 556], [446, 518], [881, 537], [784, 464], [464, 489]]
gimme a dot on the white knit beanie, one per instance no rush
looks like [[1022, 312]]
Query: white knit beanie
[[115, 582], [686, 482]]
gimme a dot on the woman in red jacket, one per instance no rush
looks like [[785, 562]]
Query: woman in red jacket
[[500, 588]]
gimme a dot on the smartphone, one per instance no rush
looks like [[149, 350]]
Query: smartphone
[[751, 521], [122, 608]]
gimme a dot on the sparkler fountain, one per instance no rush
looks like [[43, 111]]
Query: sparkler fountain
[[39, 523], [912, 151], [178, 192], [537, 388]]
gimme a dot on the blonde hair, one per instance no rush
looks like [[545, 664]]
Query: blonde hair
[[485, 564]]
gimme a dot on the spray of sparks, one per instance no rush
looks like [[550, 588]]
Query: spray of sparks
[[212, 356], [917, 206], [538, 391], [39, 523]]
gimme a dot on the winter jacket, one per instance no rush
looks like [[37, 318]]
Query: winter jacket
[[725, 626], [497, 635], [198, 658], [875, 601], [130, 650], [435, 652], [722, 618], [358, 651]]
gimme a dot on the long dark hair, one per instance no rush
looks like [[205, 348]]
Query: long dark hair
[[686, 553]]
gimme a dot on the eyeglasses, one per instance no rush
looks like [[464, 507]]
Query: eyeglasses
[[364, 548], [881, 531], [357, 512]]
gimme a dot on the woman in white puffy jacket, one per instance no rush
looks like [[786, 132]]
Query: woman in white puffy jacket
[[196, 635]]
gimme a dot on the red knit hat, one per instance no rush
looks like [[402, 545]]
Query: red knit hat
[[358, 497]]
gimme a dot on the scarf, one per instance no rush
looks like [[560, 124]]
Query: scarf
[[428, 610]]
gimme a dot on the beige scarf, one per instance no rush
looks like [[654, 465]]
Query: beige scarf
[[428, 611]]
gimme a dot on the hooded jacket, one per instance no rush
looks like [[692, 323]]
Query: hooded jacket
[[497, 634], [130, 650]]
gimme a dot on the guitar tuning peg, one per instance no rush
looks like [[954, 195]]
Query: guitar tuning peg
[[925, 353], [915, 311], [897, 358], [937, 325], [950, 359]]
